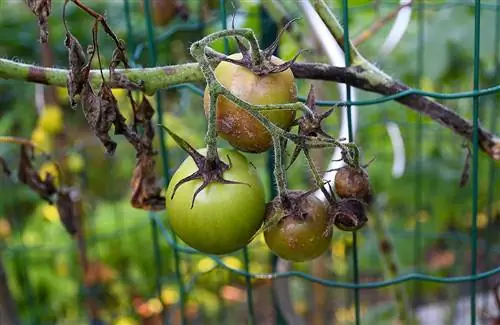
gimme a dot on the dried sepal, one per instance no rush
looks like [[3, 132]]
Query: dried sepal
[[208, 171], [78, 76], [263, 64], [27, 175], [146, 192], [310, 124], [42, 9], [269, 51], [69, 209]]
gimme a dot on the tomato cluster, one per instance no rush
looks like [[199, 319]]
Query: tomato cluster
[[221, 217]]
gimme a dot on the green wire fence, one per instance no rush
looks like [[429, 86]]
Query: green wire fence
[[353, 286]]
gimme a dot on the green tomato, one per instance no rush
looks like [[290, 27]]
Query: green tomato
[[225, 217], [303, 231]]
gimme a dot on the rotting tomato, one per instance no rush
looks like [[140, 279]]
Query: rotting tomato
[[353, 182], [225, 217], [237, 126], [303, 231]]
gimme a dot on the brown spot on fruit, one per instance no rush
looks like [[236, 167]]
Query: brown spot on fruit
[[237, 126]]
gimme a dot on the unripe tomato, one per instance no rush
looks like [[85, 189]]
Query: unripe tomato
[[303, 233], [224, 217], [163, 11], [234, 124]]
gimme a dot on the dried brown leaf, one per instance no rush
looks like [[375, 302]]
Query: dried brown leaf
[[146, 194], [142, 116], [42, 9], [100, 111], [69, 211], [78, 76], [29, 176]]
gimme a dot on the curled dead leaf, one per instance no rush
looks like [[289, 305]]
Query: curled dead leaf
[[42, 9], [100, 111], [78, 76], [146, 194], [69, 210]]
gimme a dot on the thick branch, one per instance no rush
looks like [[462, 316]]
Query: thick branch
[[438, 112], [154, 78], [162, 77]]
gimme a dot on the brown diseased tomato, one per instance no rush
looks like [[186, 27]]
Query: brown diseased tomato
[[234, 124], [352, 183], [303, 232]]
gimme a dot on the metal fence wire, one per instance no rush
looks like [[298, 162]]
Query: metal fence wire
[[357, 290]]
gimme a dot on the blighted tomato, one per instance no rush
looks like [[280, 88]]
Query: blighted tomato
[[237, 126], [224, 217], [303, 231]]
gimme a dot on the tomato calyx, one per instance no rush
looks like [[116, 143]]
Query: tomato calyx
[[348, 214], [259, 62], [310, 124], [209, 170], [292, 206]]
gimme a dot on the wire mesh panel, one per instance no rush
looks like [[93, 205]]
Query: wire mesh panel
[[429, 252]]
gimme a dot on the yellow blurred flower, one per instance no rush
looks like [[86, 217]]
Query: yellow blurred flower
[[482, 220], [41, 139], [49, 168], [338, 249], [126, 321], [340, 267], [169, 296], [75, 162], [205, 264], [51, 119], [62, 94], [232, 262], [50, 212]]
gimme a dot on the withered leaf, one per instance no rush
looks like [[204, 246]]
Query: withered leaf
[[142, 117], [78, 76], [42, 9], [146, 194], [100, 111], [29, 176], [69, 211]]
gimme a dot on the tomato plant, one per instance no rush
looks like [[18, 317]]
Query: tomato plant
[[224, 217], [237, 126], [302, 231]]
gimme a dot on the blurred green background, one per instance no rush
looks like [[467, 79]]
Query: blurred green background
[[132, 284]]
